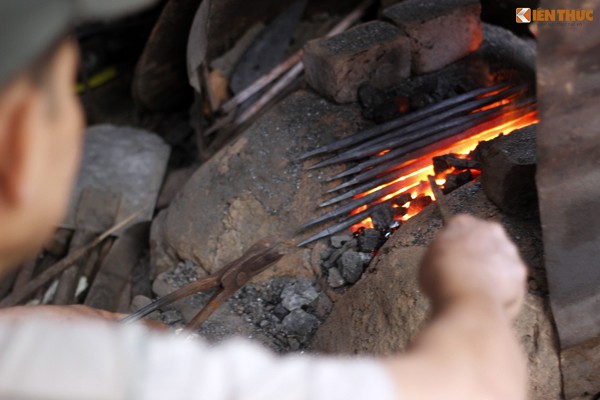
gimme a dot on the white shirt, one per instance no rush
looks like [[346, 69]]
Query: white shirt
[[45, 360]]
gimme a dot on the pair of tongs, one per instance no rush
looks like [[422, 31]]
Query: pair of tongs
[[227, 281]]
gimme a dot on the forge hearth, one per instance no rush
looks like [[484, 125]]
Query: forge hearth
[[258, 186], [255, 187]]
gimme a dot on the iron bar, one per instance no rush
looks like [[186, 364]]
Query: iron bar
[[396, 156], [345, 224], [425, 112], [423, 128]]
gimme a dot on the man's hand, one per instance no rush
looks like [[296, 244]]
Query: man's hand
[[474, 260], [475, 279], [57, 313]]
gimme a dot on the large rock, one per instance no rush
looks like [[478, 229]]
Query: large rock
[[127, 161], [252, 189], [384, 311]]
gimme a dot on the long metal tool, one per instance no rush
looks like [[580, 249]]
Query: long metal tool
[[406, 119], [396, 157], [227, 281], [422, 129]]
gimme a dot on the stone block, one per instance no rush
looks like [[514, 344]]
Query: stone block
[[440, 32], [375, 52], [508, 169], [127, 161]]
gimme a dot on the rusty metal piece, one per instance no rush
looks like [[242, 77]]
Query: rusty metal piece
[[227, 281]]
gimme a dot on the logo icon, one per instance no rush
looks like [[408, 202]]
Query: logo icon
[[523, 15]]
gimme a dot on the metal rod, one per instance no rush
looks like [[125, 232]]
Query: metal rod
[[345, 224], [424, 112], [470, 107], [423, 128], [400, 162], [359, 202], [394, 155], [363, 188]]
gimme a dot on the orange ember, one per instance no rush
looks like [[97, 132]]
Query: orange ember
[[415, 172]]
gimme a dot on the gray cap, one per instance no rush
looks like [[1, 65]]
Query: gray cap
[[29, 27]]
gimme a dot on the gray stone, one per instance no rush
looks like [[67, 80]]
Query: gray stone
[[370, 240], [440, 32], [252, 189], [126, 161], [299, 323], [375, 52], [335, 279], [339, 240], [351, 265], [280, 311], [298, 294], [508, 165]]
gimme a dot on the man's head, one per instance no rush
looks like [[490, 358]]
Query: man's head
[[40, 145], [41, 121]]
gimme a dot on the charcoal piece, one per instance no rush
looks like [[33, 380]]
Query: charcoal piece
[[440, 32], [335, 279], [383, 217], [340, 239], [463, 163], [508, 172], [447, 161], [370, 240], [381, 106], [280, 312], [299, 323], [442, 163], [421, 100], [402, 200], [419, 204], [351, 265], [389, 111], [454, 181], [297, 294], [371, 97]]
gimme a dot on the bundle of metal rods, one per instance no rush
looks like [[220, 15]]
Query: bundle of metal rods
[[382, 155]]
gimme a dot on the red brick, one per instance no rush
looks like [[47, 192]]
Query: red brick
[[376, 53], [440, 32]]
